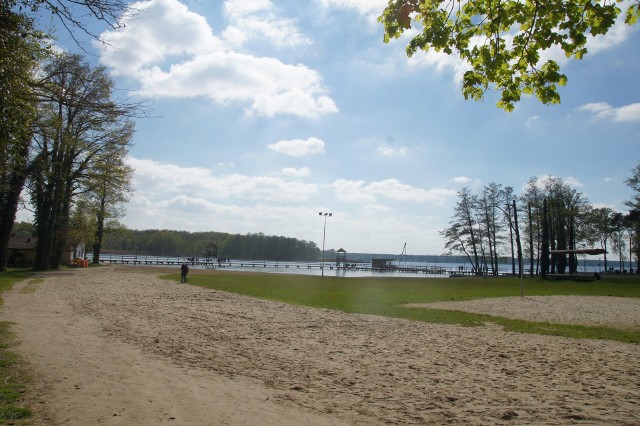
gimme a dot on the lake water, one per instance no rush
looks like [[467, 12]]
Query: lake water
[[311, 268]]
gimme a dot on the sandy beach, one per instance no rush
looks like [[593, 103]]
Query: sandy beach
[[118, 345]]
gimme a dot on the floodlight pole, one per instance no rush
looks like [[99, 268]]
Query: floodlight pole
[[324, 234]]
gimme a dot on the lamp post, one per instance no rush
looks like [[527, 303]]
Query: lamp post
[[324, 234]]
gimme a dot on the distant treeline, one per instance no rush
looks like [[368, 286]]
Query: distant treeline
[[199, 244]]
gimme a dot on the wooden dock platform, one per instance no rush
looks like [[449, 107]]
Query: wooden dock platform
[[573, 277], [212, 263]]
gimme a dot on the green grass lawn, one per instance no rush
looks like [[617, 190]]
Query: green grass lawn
[[12, 371], [388, 297]]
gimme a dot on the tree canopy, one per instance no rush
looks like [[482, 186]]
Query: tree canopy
[[503, 41], [20, 51], [558, 223], [80, 128], [74, 14]]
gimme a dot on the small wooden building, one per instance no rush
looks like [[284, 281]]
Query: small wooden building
[[212, 251], [21, 251], [383, 264]]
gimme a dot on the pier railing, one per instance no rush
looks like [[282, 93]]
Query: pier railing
[[213, 263]]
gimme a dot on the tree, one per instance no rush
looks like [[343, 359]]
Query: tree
[[503, 41], [601, 228], [533, 197], [518, 243], [461, 235], [20, 51], [79, 125], [490, 209], [633, 222], [80, 225], [109, 188], [506, 197], [634, 215], [633, 182], [75, 14], [565, 210], [544, 240], [617, 240]]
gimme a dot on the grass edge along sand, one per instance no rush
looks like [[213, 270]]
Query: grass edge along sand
[[389, 297], [12, 368]]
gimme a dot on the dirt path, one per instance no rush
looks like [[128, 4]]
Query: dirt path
[[87, 375], [116, 345]]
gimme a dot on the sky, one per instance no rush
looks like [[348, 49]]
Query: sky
[[264, 113]]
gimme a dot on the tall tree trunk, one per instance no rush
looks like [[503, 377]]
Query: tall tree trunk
[[518, 243], [97, 245], [531, 254], [551, 235], [61, 228], [45, 226], [513, 253], [544, 252], [620, 252], [9, 208], [573, 258], [539, 239], [561, 240], [489, 237], [476, 265]]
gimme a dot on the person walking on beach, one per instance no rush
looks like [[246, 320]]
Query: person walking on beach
[[184, 270]]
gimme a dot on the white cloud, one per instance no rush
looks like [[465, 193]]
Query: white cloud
[[391, 189], [462, 180], [390, 151], [352, 191], [298, 147], [240, 8], [161, 181], [441, 62], [197, 214], [370, 8], [616, 35], [532, 120], [627, 113], [256, 19], [154, 31], [293, 172], [569, 180], [602, 110], [172, 52], [574, 182]]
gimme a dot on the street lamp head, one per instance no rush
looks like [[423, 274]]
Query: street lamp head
[[325, 214]]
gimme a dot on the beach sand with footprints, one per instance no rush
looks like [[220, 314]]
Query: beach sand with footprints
[[118, 345]]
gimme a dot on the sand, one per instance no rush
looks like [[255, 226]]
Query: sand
[[617, 312], [117, 345]]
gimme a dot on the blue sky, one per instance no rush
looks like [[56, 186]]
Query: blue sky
[[268, 112]]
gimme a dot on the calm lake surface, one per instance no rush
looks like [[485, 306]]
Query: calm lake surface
[[405, 269]]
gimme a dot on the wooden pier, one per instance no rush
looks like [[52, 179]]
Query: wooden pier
[[213, 263], [573, 277]]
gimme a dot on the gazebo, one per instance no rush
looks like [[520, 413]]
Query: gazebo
[[341, 259]]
